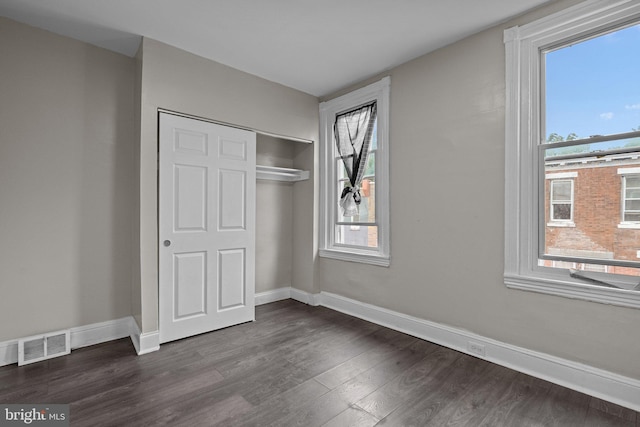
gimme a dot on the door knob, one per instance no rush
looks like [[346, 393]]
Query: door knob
[[167, 242]]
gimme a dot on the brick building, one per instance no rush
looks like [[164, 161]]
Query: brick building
[[592, 209]]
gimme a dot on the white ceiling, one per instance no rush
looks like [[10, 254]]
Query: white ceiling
[[316, 46]]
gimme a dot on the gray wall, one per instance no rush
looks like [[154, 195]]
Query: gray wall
[[447, 219], [176, 80], [274, 204], [66, 168]]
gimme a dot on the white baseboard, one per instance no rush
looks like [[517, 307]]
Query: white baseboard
[[144, 343], [96, 333], [81, 336], [286, 293], [8, 352], [596, 382], [305, 297], [273, 295]]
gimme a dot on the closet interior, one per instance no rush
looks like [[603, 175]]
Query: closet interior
[[279, 169]]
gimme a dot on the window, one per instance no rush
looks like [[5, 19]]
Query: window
[[362, 236], [630, 197], [572, 120], [561, 201]]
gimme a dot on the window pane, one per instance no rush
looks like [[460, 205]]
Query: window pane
[[632, 205], [374, 137], [370, 170], [575, 153], [562, 264], [633, 194], [595, 267], [632, 217], [633, 182], [600, 203], [614, 269], [342, 171], [562, 211], [592, 87], [561, 190], [357, 235], [367, 207]]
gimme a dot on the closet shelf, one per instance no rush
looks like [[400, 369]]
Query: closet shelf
[[273, 173]]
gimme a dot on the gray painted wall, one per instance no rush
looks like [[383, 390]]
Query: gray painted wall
[[447, 217], [66, 172]]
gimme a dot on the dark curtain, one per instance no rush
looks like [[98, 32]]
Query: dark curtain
[[353, 132]]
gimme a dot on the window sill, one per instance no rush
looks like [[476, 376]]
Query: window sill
[[561, 224], [633, 225], [574, 290], [364, 258]]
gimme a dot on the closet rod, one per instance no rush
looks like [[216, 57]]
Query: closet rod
[[217, 122]]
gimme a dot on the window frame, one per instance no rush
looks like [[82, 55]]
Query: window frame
[[624, 174], [328, 248], [524, 189], [561, 221]]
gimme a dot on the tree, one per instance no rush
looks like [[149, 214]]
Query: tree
[[562, 151], [554, 137]]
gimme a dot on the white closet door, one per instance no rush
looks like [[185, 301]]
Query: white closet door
[[206, 226]]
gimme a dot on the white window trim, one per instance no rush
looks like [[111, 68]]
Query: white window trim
[[628, 171], [632, 225], [561, 175], [522, 133], [378, 91], [624, 172], [561, 222]]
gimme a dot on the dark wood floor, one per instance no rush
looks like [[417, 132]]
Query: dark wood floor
[[299, 366]]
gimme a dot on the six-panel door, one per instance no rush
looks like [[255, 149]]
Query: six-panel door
[[206, 226]]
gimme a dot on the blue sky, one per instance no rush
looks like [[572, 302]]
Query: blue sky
[[593, 87]]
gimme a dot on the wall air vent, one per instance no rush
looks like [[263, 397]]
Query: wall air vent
[[42, 347]]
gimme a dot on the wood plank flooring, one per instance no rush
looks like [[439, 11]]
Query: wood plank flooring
[[299, 366]]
